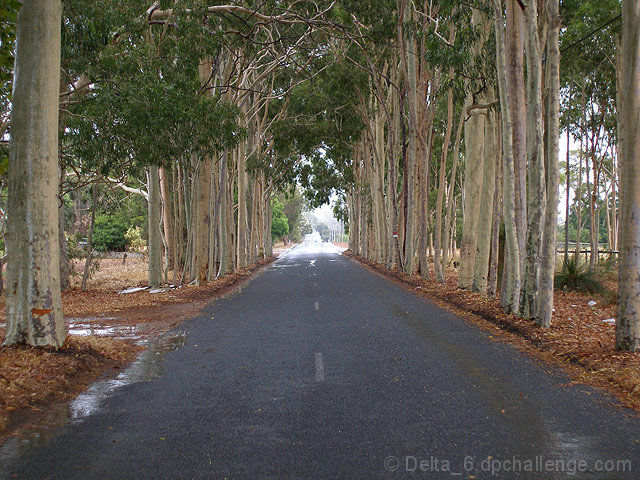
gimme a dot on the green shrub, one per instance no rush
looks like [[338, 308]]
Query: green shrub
[[279, 222], [135, 242], [109, 234], [577, 276]]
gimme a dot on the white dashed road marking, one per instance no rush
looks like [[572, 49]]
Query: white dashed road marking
[[319, 368]]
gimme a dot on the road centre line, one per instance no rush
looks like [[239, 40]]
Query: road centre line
[[319, 368]]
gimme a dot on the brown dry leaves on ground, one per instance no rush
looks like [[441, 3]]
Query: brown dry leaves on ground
[[579, 340], [32, 380]]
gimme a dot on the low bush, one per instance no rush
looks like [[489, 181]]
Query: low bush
[[578, 277]]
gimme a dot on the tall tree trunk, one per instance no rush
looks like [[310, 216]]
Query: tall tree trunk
[[514, 64], [450, 215], [437, 258], [568, 172], [225, 241], [201, 218], [579, 191], [535, 171], [167, 218], [628, 322], [423, 208], [474, 161], [89, 249], [492, 282], [485, 214], [594, 230], [34, 310], [511, 269], [544, 305], [155, 232], [243, 225], [408, 55]]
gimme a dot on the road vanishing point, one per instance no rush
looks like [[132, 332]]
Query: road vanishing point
[[320, 369]]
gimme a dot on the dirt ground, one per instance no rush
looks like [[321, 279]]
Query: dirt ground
[[108, 329], [581, 340]]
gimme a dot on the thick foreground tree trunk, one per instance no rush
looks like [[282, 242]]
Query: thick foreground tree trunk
[[628, 323], [34, 310]]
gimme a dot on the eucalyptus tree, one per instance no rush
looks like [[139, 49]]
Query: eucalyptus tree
[[34, 309], [148, 108], [628, 321]]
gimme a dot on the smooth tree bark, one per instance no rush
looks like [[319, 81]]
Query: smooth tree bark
[[168, 220], [474, 140], [154, 216], [628, 321], [568, 190], [485, 214], [511, 270], [514, 68], [34, 309], [449, 218], [201, 219], [494, 262], [578, 201], [408, 56], [437, 258], [544, 304]]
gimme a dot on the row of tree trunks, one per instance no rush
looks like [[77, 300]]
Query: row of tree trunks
[[507, 179]]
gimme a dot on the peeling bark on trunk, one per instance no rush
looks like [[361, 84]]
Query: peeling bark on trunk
[[535, 173], [34, 311]]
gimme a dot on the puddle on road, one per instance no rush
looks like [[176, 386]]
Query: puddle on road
[[146, 367]]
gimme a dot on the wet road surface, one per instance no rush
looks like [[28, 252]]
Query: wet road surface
[[319, 369]]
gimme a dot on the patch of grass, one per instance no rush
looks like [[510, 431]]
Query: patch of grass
[[577, 277]]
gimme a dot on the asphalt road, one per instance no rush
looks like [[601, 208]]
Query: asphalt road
[[320, 369]]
